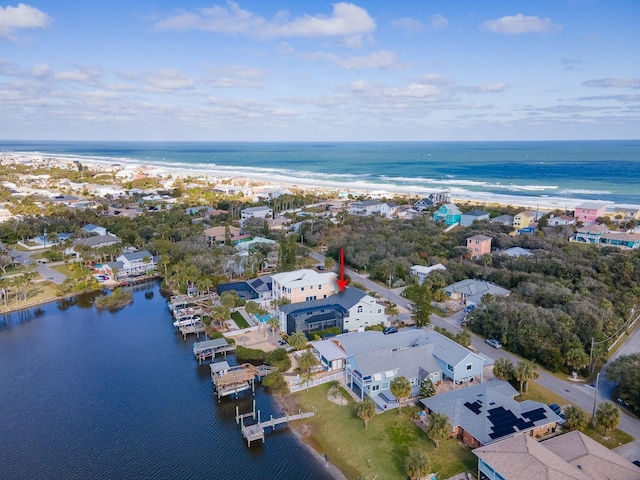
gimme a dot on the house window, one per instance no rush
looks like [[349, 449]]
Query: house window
[[359, 308], [450, 367], [319, 287], [302, 289], [385, 385], [379, 310], [469, 366], [375, 387]]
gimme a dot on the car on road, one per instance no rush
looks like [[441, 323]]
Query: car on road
[[493, 342], [556, 408], [636, 463], [469, 308], [389, 330], [320, 267]]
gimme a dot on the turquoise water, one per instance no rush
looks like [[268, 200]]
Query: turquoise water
[[591, 170]]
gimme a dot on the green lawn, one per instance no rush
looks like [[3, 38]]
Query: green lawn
[[382, 448], [64, 269], [540, 394], [614, 438], [239, 319]]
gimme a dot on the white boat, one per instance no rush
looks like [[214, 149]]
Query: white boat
[[186, 321]]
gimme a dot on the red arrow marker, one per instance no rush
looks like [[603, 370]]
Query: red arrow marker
[[342, 282]]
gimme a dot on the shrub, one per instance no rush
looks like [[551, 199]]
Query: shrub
[[250, 354], [279, 359], [276, 382]]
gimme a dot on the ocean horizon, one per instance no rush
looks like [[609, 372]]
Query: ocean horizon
[[553, 173]]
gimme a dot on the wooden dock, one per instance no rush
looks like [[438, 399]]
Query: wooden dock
[[211, 348], [228, 380], [257, 431], [196, 327]]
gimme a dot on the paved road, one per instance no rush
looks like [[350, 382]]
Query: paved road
[[24, 258]]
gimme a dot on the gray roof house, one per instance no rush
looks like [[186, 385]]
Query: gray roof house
[[350, 310], [487, 412], [133, 264], [91, 228], [97, 241], [504, 220], [373, 359], [471, 291], [467, 218], [516, 252]]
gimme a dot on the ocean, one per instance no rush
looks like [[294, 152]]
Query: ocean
[[94, 394], [526, 172]]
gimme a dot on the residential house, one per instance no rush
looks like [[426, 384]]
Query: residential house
[[373, 207], [470, 292], [5, 215], [95, 241], [423, 272], [468, 218], [621, 239], [218, 235], [571, 456], [95, 229], [589, 234], [622, 214], [524, 219], [350, 310], [431, 200], [479, 245], [516, 252], [588, 212], [110, 190], [133, 264], [132, 212], [257, 289], [304, 285], [373, 360], [255, 212], [504, 220], [487, 412], [561, 220], [449, 213]]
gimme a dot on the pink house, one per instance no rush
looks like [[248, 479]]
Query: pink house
[[588, 212], [478, 245]]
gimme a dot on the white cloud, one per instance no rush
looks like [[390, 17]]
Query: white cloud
[[438, 22], [21, 17], [520, 24], [237, 76], [613, 83], [382, 59], [409, 24], [491, 88], [167, 80], [348, 22]]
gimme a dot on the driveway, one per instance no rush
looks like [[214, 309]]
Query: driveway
[[24, 258]]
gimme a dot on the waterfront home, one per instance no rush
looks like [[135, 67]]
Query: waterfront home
[[621, 239], [503, 220], [470, 292], [524, 219], [561, 220], [448, 213], [589, 234], [132, 264], [303, 285], [487, 412], [350, 310], [589, 212], [372, 360], [469, 218], [571, 456], [256, 289], [423, 272], [431, 200], [255, 212], [622, 214], [215, 236], [95, 241], [479, 245], [373, 207]]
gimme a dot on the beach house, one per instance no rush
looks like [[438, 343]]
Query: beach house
[[448, 213], [132, 264], [588, 212], [470, 292], [373, 207], [303, 285], [432, 199], [589, 234], [487, 412], [524, 219], [561, 220], [469, 218], [350, 310], [479, 245], [422, 272], [255, 212]]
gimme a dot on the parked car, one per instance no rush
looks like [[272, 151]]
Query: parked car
[[469, 308], [320, 267], [493, 342], [556, 408], [389, 330]]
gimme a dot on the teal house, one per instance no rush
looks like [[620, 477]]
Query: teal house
[[449, 213]]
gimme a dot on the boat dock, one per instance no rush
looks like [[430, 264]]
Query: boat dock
[[179, 302], [257, 431], [211, 348], [228, 380], [196, 327]]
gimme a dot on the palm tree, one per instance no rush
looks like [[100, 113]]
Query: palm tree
[[439, 427], [524, 372], [503, 369], [307, 360], [608, 415], [219, 313], [273, 325], [417, 464], [366, 410], [401, 389], [575, 418], [298, 340]]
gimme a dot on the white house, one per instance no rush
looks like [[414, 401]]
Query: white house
[[432, 200], [132, 264], [422, 272], [350, 310], [255, 212], [561, 220], [373, 207]]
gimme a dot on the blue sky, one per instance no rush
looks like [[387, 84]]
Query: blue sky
[[314, 70]]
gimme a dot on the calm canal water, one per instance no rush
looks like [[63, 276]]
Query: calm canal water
[[88, 394]]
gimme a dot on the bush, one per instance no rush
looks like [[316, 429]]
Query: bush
[[250, 354], [117, 300], [279, 359], [276, 383]]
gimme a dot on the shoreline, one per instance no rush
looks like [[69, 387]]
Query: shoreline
[[339, 185]]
